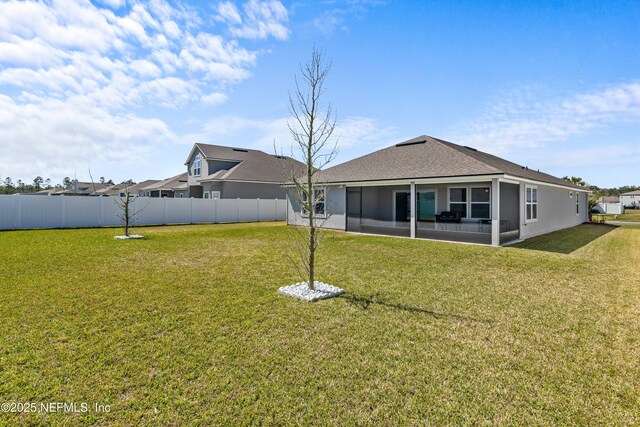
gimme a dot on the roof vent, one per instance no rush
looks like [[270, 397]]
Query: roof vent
[[242, 150], [469, 148], [404, 144]]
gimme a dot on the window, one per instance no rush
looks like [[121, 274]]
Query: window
[[215, 194], [531, 203], [480, 202], [458, 200], [206, 194], [577, 204], [197, 163], [318, 200]]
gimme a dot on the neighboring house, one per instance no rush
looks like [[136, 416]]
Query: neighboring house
[[176, 187], [632, 198], [77, 188], [609, 204], [430, 188], [216, 171], [121, 189]]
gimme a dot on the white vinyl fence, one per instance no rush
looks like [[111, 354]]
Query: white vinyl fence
[[610, 208], [30, 211]]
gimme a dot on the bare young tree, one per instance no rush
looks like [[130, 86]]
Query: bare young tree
[[127, 212], [312, 130]]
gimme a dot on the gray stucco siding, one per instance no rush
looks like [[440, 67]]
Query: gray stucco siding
[[204, 169], [335, 206], [252, 190], [211, 186], [556, 210]]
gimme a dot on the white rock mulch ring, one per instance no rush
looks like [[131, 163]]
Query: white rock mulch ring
[[131, 236], [302, 292]]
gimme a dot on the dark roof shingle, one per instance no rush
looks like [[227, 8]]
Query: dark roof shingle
[[253, 165], [427, 157]]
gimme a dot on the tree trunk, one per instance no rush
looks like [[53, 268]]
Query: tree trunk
[[312, 253]]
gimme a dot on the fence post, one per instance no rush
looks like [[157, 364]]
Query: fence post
[[19, 212], [62, 211], [238, 210], [258, 209], [215, 211], [165, 210], [100, 210], [191, 207]]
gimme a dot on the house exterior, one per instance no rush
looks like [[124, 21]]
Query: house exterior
[[77, 188], [174, 187], [430, 188], [119, 190], [216, 171], [632, 198]]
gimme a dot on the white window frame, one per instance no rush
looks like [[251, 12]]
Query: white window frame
[[215, 194], [468, 202], [571, 194], [536, 203], [206, 195], [471, 202], [324, 204], [453, 187], [197, 165]]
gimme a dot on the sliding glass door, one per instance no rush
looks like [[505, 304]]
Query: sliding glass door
[[426, 206]]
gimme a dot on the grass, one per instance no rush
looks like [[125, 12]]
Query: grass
[[629, 215], [186, 328]]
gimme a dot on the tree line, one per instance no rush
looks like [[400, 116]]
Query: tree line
[[8, 186], [599, 191]]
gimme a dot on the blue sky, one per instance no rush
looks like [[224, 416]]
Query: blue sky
[[125, 88]]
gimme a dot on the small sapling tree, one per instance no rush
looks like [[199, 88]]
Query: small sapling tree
[[312, 129]]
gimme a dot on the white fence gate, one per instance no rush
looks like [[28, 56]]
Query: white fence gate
[[18, 212]]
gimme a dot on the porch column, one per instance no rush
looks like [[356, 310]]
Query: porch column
[[495, 212], [413, 210]]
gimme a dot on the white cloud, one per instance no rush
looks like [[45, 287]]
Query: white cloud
[[68, 137], [215, 98], [228, 12], [75, 77], [114, 4], [335, 18], [522, 120], [362, 131], [260, 20], [356, 135]]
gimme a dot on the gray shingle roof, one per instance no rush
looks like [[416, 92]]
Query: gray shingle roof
[[177, 182], [116, 189], [254, 165], [631, 193], [427, 157]]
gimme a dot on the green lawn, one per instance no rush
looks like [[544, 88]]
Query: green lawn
[[629, 215], [186, 328]]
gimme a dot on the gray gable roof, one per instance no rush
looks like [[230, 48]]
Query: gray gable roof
[[427, 157], [177, 182], [253, 165], [116, 189]]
